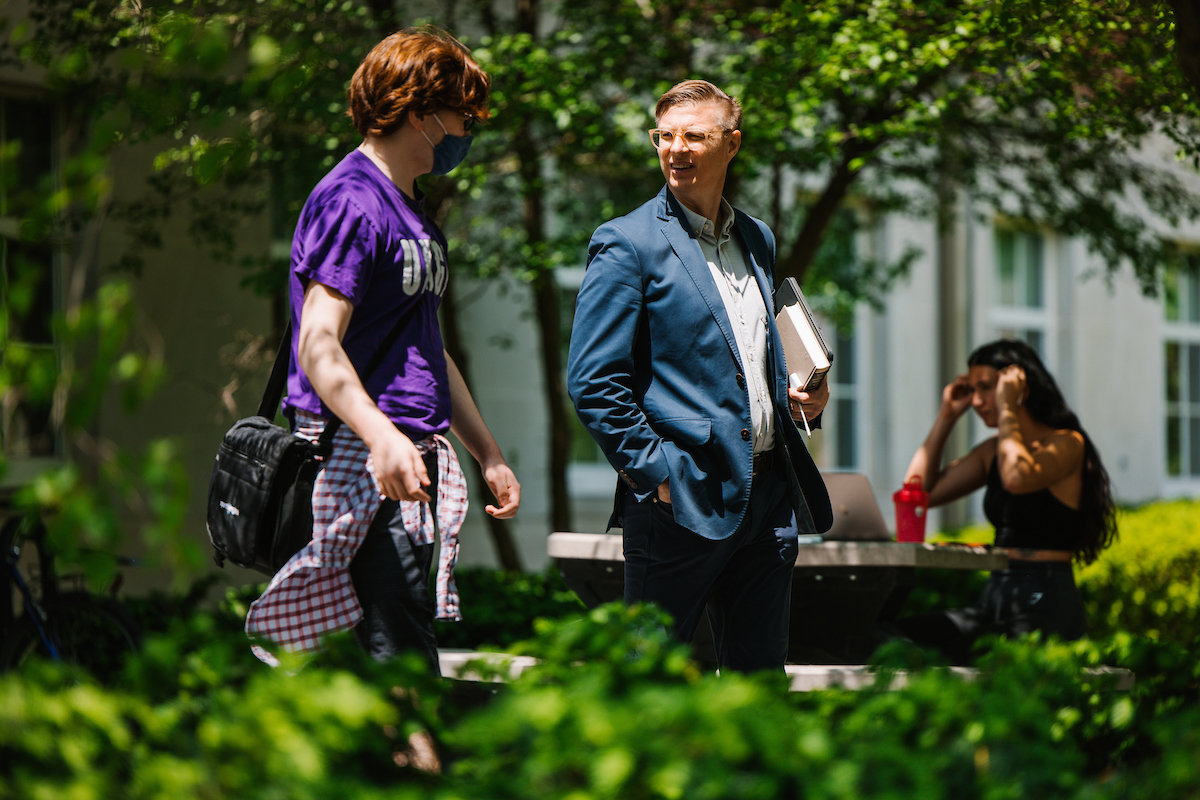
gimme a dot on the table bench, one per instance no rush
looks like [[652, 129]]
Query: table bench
[[841, 591]]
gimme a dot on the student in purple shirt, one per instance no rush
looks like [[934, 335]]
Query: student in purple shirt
[[364, 254]]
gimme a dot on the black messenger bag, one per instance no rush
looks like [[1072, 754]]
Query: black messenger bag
[[260, 492]]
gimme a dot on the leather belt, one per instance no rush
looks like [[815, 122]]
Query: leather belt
[[762, 461], [1045, 556]]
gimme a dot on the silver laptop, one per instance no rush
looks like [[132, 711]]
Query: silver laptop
[[856, 515]]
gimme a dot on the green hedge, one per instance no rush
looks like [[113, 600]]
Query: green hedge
[[616, 710], [595, 722], [197, 716], [499, 607], [1149, 581]]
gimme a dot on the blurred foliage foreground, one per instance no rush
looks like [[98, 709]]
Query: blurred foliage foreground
[[614, 710]]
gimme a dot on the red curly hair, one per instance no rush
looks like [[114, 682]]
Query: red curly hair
[[422, 70]]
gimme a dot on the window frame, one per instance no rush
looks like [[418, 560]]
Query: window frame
[[1184, 334], [21, 469], [1006, 320]]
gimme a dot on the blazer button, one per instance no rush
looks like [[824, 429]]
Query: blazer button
[[745, 434], [741, 381]]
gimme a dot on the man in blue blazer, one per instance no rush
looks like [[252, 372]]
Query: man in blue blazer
[[677, 370]]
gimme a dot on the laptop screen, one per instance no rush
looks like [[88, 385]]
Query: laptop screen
[[856, 514]]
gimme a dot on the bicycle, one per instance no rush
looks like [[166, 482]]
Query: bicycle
[[74, 626]]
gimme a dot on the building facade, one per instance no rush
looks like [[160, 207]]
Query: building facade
[[1127, 363]]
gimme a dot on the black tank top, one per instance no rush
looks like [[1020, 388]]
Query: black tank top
[[1037, 520]]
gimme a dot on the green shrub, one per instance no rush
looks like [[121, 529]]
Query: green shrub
[[1174, 774], [197, 716], [616, 710], [1148, 583], [499, 607], [938, 589]]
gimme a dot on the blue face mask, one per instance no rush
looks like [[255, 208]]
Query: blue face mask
[[448, 153]]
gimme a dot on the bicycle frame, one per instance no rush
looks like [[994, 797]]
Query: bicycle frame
[[33, 608]]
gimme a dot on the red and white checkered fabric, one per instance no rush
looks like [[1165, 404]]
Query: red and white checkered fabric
[[312, 596]]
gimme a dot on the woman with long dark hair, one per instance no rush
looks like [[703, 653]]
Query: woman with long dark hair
[[1047, 495]]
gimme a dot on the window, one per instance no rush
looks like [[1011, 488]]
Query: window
[[27, 284], [1020, 307], [1181, 297]]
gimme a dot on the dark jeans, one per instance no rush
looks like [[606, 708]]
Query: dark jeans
[[745, 580], [1024, 598], [391, 578]]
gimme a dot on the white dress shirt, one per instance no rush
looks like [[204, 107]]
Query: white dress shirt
[[747, 310]]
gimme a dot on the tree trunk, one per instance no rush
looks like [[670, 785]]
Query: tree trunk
[[1187, 39], [502, 539], [507, 554], [547, 310], [798, 260], [547, 300], [547, 303]]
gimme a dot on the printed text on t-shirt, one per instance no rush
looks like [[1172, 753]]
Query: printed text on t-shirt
[[433, 277]]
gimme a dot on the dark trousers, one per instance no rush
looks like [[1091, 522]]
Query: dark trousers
[[745, 580], [391, 578]]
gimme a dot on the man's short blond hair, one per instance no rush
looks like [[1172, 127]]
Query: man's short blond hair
[[696, 92]]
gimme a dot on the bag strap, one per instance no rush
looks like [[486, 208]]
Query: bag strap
[[274, 391], [273, 394]]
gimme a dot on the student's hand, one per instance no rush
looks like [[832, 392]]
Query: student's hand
[[808, 405], [956, 397], [503, 483], [1010, 385], [399, 469]]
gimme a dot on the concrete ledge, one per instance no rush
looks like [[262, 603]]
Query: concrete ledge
[[801, 677], [456, 664], [593, 546], [816, 677]]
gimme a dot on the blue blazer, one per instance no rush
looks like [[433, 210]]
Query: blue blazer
[[656, 377]]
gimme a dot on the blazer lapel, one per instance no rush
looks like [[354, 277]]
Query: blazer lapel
[[687, 249], [752, 242]]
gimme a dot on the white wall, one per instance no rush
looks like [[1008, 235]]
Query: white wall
[[501, 339], [198, 308], [1117, 389]]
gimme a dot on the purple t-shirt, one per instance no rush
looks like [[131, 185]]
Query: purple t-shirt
[[359, 234]]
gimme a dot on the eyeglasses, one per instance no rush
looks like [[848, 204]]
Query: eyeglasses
[[663, 138]]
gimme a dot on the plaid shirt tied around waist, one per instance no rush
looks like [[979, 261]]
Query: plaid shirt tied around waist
[[312, 596]]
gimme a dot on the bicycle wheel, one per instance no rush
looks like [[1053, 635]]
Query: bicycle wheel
[[93, 632]]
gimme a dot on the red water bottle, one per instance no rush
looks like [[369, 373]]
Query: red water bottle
[[911, 504]]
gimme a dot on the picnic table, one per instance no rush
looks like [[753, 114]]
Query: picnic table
[[843, 593]]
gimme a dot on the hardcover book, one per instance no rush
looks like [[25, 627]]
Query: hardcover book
[[808, 357]]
